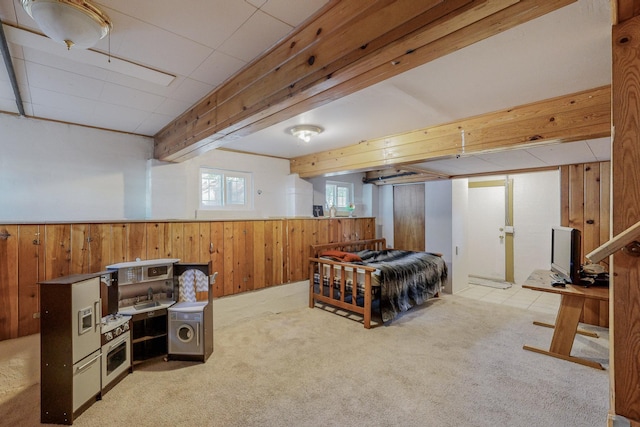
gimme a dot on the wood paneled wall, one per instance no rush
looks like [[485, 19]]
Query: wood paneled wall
[[247, 255], [585, 205]]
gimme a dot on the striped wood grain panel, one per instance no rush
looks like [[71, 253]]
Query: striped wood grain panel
[[246, 254], [30, 264], [585, 206], [227, 249], [216, 245], [58, 250], [80, 250], [9, 305]]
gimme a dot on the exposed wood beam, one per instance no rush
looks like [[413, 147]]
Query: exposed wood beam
[[582, 115], [621, 10], [347, 46]]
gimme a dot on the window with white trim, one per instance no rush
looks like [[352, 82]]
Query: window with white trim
[[225, 189], [339, 194]]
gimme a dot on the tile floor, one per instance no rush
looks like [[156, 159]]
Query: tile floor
[[515, 296]]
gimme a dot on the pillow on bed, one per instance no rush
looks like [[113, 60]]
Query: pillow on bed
[[341, 256]]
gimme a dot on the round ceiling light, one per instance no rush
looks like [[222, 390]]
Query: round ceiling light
[[305, 132], [74, 23]]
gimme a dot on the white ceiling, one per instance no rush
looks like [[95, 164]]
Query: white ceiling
[[203, 42]]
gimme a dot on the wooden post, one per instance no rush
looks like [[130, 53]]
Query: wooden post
[[625, 196]]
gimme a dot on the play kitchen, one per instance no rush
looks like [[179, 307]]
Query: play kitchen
[[96, 327]]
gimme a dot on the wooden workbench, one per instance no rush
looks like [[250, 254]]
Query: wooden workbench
[[566, 326]]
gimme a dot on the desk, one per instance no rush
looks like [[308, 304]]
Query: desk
[[572, 300]]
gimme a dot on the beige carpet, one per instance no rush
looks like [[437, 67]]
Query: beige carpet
[[452, 362]]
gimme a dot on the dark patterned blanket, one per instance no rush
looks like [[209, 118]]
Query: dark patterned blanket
[[407, 278]]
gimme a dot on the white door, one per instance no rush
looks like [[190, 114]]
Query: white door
[[486, 232]]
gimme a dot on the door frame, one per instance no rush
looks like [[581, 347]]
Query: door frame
[[507, 184]]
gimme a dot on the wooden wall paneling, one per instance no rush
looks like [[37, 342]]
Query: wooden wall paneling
[[9, 295], [136, 242], [322, 231], [249, 259], [177, 240], [564, 191], [216, 249], [576, 196], [271, 258], [239, 257], [30, 269], [585, 206], [260, 256], [80, 253], [57, 250], [591, 230], [279, 265], [228, 250], [334, 230], [156, 241], [99, 241], [191, 242], [118, 244], [298, 248], [204, 238]]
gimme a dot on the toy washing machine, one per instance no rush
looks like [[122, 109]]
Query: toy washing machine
[[190, 327]]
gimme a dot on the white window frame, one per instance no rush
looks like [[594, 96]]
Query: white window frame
[[225, 203], [341, 205]]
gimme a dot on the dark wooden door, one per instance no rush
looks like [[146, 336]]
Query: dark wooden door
[[408, 217]]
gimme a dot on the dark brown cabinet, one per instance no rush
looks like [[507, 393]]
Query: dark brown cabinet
[[70, 354], [149, 335]]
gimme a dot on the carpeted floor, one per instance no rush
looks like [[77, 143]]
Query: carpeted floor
[[451, 362]]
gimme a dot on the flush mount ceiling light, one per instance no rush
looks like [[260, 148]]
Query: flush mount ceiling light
[[74, 23], [305, 132]]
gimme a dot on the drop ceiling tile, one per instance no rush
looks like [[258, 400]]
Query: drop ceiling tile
[[512, 159], [153, 123], [601, 148], [56, 80], [191, 91], [154, 47], [208, 22], [172, 107], [120, 95], [61, 63], [71, 104], [258, 34], [126, 119], [564, 153], [217, 68], [74, 109], [8, 103], [293, 13]]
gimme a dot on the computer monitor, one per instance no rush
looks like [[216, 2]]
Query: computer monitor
[[565, 253]]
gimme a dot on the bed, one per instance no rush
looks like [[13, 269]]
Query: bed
[[391, 279]]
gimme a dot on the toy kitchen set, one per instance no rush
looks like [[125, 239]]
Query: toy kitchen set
[[96, 327]]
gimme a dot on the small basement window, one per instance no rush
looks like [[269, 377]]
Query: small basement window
[[339, 194], [225, 189]]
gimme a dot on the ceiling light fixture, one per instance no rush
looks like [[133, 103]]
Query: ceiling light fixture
[[305, 132], [74, 23]]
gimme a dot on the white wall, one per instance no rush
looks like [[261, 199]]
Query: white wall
[[439, 227], [57, 172], [536, 208], [460, 214], [363, 199], [272, 190]]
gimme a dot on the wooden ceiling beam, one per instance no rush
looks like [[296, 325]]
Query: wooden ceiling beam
[[347, 46], [621, 10], [574, 117]]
